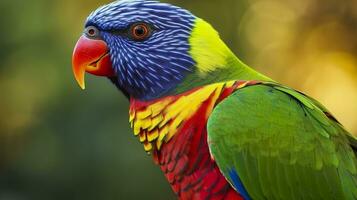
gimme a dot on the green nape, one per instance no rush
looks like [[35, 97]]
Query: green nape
[[215, 62]]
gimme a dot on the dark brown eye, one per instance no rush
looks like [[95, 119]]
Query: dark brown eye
[[140, 31], [91, 32]]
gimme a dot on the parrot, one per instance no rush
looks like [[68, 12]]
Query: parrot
[[216, 128]]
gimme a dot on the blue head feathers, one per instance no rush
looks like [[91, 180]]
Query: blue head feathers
[[151, 66]]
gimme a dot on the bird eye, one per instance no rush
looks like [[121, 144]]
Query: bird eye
[[140, 31], [91, 32]]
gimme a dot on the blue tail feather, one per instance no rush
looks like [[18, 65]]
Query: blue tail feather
[[237, 183]]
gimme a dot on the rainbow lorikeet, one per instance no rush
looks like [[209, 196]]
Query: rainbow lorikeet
[[217, 128]]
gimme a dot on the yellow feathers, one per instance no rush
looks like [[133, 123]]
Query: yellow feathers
[[207, 49], [158, 122]]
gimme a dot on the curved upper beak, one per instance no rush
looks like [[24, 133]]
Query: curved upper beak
[[91, 56]]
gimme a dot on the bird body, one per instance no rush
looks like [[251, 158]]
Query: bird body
[[174, 130], [217, 128]]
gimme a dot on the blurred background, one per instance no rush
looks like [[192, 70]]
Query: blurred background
[[58, 142]]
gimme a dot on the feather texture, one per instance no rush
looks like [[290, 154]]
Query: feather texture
[[282, 145], [173, 129]]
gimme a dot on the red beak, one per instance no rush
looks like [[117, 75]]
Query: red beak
[[91, 56]]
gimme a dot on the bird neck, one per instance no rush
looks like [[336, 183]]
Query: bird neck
[[215, 62], [156, 122]]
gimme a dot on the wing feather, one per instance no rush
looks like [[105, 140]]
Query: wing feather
[[283, 145]]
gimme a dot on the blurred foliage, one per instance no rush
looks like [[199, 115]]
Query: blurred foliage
[[57, 142]]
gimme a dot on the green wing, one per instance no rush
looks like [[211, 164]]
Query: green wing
[[272, 142]]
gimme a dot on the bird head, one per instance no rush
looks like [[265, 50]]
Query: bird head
[[146, 48]]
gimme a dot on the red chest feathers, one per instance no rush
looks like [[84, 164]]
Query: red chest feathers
[[188, 166]]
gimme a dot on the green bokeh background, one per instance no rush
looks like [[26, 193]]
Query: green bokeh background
[[58, 142]]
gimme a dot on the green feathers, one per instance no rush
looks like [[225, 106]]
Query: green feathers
[[282, 145]]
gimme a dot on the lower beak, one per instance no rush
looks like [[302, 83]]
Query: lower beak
[[91, 56]]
